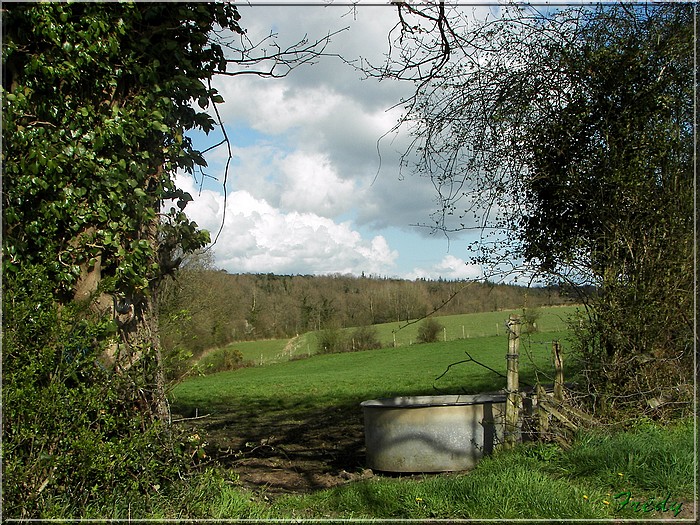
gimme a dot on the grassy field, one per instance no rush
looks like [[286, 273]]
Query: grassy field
[[345, 378], [464, 326], [264, 351], [467, 326], [592, 480], [604, 475]]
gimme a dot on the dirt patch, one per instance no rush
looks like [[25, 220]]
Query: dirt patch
[[278, 452], [687, 512]]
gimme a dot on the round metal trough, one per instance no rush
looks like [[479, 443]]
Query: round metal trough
[[432, 433]]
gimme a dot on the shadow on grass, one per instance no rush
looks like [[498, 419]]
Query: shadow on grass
[[285, 449], [292, 442]]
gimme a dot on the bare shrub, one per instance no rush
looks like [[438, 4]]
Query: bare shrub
[[429, 330]]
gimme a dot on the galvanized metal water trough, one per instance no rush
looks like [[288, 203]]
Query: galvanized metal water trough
[[432, 433]]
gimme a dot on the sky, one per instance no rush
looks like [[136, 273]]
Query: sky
[[310, 190]]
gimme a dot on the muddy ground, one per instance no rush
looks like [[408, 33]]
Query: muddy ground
[[278, 452]]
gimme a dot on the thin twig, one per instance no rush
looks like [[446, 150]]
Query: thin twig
[[471, 359], [409, 323], [189, 418], [228, 163]]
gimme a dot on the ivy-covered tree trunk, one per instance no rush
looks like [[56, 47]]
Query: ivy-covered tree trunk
[[142, 335], [96, 102], [142, 342]]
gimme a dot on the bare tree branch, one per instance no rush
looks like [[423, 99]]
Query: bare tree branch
[[267, 59], [264, 59]]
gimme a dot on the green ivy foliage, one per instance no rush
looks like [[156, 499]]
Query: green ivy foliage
[[611, 190], [96, 102], [73, 432]]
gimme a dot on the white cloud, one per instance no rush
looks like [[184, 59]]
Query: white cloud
[[450, 267], [313, 185], [319, 126], [305, 158], [260, 238], [207, 204], [301, 181], [274, 106]]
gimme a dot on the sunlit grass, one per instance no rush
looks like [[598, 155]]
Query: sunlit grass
[[533, 481], [465, 326], [652, 459], [341, 379], [261, 352]]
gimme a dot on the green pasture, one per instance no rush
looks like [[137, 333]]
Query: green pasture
[[263, 351], [483, 324], [464, 326], [647, 465], [347, 378], [534, 481]]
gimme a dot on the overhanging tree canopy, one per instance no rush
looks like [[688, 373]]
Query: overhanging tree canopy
[[565, 138], [98, 102]]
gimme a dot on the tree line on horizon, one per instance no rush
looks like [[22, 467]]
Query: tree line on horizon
[[206, 308]]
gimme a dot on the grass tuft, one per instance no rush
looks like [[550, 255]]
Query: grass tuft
[[533, 481], [651, 458]]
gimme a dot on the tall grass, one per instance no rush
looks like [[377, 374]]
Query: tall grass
[[534, 481], [652, 459]]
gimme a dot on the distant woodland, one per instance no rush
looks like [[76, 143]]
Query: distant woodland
[[203, 308]]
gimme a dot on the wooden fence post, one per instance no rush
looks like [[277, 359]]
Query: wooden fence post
[[558, 371], [512, 386], [543, 415]]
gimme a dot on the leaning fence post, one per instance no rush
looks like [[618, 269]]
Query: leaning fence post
[[558, 371], [512, 387]]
